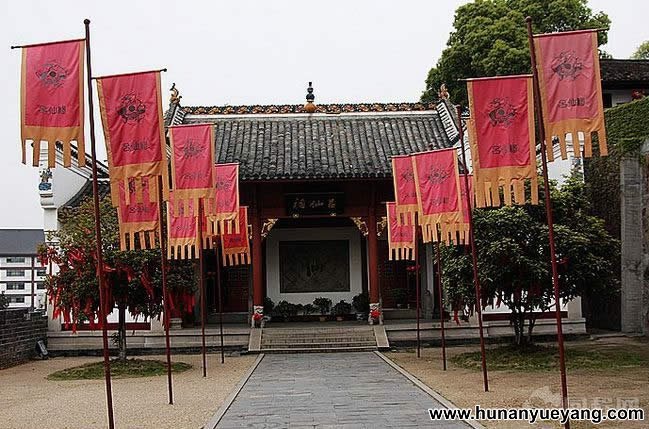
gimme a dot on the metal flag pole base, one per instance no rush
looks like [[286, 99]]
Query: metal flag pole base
[[165, 292], [474, 255], [218, 289], [201, 268], [548, 212], [417, 285], [99, 250], [441, 303]]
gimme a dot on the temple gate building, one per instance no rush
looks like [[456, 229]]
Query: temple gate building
[[315, 179]]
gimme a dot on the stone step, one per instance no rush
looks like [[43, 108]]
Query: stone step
[[311, 332], [318, 350], [266, 340], [318, 343], [319, 339], [341, 335]]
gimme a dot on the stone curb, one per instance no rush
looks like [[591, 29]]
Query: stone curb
[[216, 418], [414, 380]]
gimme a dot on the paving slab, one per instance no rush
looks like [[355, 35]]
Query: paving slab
[[330, 390]]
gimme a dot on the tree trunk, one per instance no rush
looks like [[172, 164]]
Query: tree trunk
[[121, 332], [517, 321], [530, 328]]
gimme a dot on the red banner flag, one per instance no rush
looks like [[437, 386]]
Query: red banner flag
[[438, 195], [571, 91], [131, 113], [401, 236], [405, 192], [192, 161], [464, 234], [236, 246], [51, 93], [501, 136], [138, 218], [182, 230], [222, 209]]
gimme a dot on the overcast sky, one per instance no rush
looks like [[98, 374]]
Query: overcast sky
[[245, 52]]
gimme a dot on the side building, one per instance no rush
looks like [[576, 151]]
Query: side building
[[21, 275]]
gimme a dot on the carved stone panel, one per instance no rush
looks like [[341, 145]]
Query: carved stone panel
[[314, 266]]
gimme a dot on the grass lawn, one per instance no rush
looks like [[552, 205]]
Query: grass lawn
[[601, 374], [546, 357], [130, 368]]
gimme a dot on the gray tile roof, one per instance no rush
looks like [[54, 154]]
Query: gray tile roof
[[20, 242], [86, 192], [618, 71], [321, 146]]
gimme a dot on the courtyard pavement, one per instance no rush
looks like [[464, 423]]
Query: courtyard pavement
[[325, 390]]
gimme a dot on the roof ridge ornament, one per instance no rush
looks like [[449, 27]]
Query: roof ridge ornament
[[309, 107], [175, 95], [443, 92]]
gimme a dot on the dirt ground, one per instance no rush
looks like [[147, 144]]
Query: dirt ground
[[589, 388], [27, 399]]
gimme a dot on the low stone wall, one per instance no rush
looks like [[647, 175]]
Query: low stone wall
[[19, 332]]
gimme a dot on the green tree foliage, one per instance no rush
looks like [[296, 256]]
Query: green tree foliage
[[514, 258], [134, 278], [490, 39], [642, 53]]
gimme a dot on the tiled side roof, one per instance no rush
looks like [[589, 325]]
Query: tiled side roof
[[86, 192], [20, 242], [293, 147], [613, 70]]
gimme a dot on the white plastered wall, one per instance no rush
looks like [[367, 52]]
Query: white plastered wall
[[350, 234]]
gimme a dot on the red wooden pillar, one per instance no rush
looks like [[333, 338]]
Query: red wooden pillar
[[372, 256], [257, 259]]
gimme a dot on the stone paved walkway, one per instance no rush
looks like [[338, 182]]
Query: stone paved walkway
[[348, 390]]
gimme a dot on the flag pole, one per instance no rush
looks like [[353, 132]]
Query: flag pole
[[99, 250], [201, 268], [220, 297], [165, 292], [474, 253], [417, 285], [441, 302], [548, 211]]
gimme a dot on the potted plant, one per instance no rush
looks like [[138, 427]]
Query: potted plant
[[361, 303], [324, 305], [341, 309], [285, 310], [308, 309], [400, 296]]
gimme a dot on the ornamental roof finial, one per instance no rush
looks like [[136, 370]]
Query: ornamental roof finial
[[175, 97], [309, 107], [443, 92]]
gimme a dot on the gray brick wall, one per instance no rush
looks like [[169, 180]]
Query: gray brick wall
[[19, 332], [634, 187]]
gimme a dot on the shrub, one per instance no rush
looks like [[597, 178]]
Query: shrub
[[323, 304], [308, 309], [4, 301], [285, 309], [361, 302], [269, 305], [342, 308], [400, 295]]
